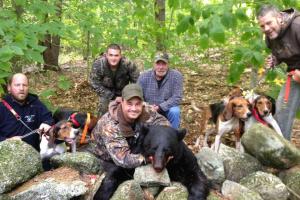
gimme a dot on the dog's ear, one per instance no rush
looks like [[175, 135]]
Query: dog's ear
[[228, 110], [273, 102], [51, 134], [181, 134]]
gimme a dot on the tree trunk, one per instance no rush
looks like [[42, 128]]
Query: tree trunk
[[160, 18], [18, 9], [52, 42]]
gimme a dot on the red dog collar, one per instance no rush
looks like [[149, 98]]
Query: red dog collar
[[73, 120]]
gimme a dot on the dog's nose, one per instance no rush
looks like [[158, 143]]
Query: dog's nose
[[249, 114], [266, 112]]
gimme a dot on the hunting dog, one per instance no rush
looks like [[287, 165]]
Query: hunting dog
[[227, 117], [56, 139], [263, 109], [84, 122]]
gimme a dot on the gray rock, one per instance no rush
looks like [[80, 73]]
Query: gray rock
[[18, 163], [175, 191], [236, 164], [233, 190], [147, 176], [128, 190], [291, 178], [60, 184], [82, 161], [212, 165], [270, 148], [268, 186]]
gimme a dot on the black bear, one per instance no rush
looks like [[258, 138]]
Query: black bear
[[164, 148]]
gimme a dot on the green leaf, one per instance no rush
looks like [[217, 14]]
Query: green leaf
[[6, 54], [5, 66], [204, 41], [174, 3], [184, 24], [4, 74], [64, 83], [241, 14], [196, 12], [257, 58], [217, 33], [235, 71], [47, 93], [34, 55], [206, 13], [1, 32], [17, 50], [1, 90], [203, 27], [229, 20]]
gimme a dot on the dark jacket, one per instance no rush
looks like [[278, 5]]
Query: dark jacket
[[33, 113], [286, 47], [108, 84]]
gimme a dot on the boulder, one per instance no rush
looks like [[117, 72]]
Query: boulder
[[233, 190], [236, 164], [175, 191], [18, 163], [291, 178], [270, 148], [128, 190], [147, 176], [267, 185], [84, 162]]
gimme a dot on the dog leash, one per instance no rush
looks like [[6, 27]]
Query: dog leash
[[30, 133], [17, 116]]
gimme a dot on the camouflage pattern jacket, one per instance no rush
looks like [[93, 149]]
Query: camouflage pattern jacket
[[113, 135], [108, 84]]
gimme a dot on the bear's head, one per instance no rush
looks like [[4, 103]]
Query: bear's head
[[162, 144]]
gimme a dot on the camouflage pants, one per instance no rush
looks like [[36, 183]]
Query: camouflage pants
[[103, 105]]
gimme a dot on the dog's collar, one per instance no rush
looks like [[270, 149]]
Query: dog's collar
[[73, 120], [257, 117]]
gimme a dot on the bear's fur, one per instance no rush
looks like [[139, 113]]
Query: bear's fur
[[164, 148]]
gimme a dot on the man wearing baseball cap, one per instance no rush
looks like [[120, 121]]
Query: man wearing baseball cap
[[116, 132], [163, 88]]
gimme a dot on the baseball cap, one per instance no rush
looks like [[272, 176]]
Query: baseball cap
[[132, 90], [161, 56]]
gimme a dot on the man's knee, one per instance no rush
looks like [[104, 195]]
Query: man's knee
[[174, 111], [103, 106]]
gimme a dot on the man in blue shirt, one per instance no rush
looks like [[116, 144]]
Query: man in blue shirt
[[31, 110], [163, 88]]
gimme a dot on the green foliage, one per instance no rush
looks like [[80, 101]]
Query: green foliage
[[64, 83]]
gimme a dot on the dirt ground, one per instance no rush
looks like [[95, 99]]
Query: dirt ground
[[207, 84]]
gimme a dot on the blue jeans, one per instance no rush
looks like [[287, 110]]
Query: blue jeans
[[286, 112], [173, 115]]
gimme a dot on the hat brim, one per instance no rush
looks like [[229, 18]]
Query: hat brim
[[161, 59]]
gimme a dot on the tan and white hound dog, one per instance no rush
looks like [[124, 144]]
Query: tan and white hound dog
[[229, 117], [54, 142]]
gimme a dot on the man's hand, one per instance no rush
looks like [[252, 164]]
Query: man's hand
[[271, 61], [44, 128], [296, 76], [118, 99], [155, 108]]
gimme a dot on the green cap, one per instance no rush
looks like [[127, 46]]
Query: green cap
[[161, 56], [132, 90]]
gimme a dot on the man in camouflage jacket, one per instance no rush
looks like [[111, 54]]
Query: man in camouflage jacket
[[110, 74], [117, 130]]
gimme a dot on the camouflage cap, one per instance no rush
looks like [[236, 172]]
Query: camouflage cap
[[132, 90], [161, 56]]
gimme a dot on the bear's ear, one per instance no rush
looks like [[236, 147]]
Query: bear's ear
[[181, 133], [144, 128]]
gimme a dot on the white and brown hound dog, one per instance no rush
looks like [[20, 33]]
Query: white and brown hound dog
[[229, 117], [56, 139], [263, 109]]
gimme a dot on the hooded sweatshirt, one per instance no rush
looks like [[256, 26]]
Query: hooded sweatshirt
[[286, 47], [33, 112]]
